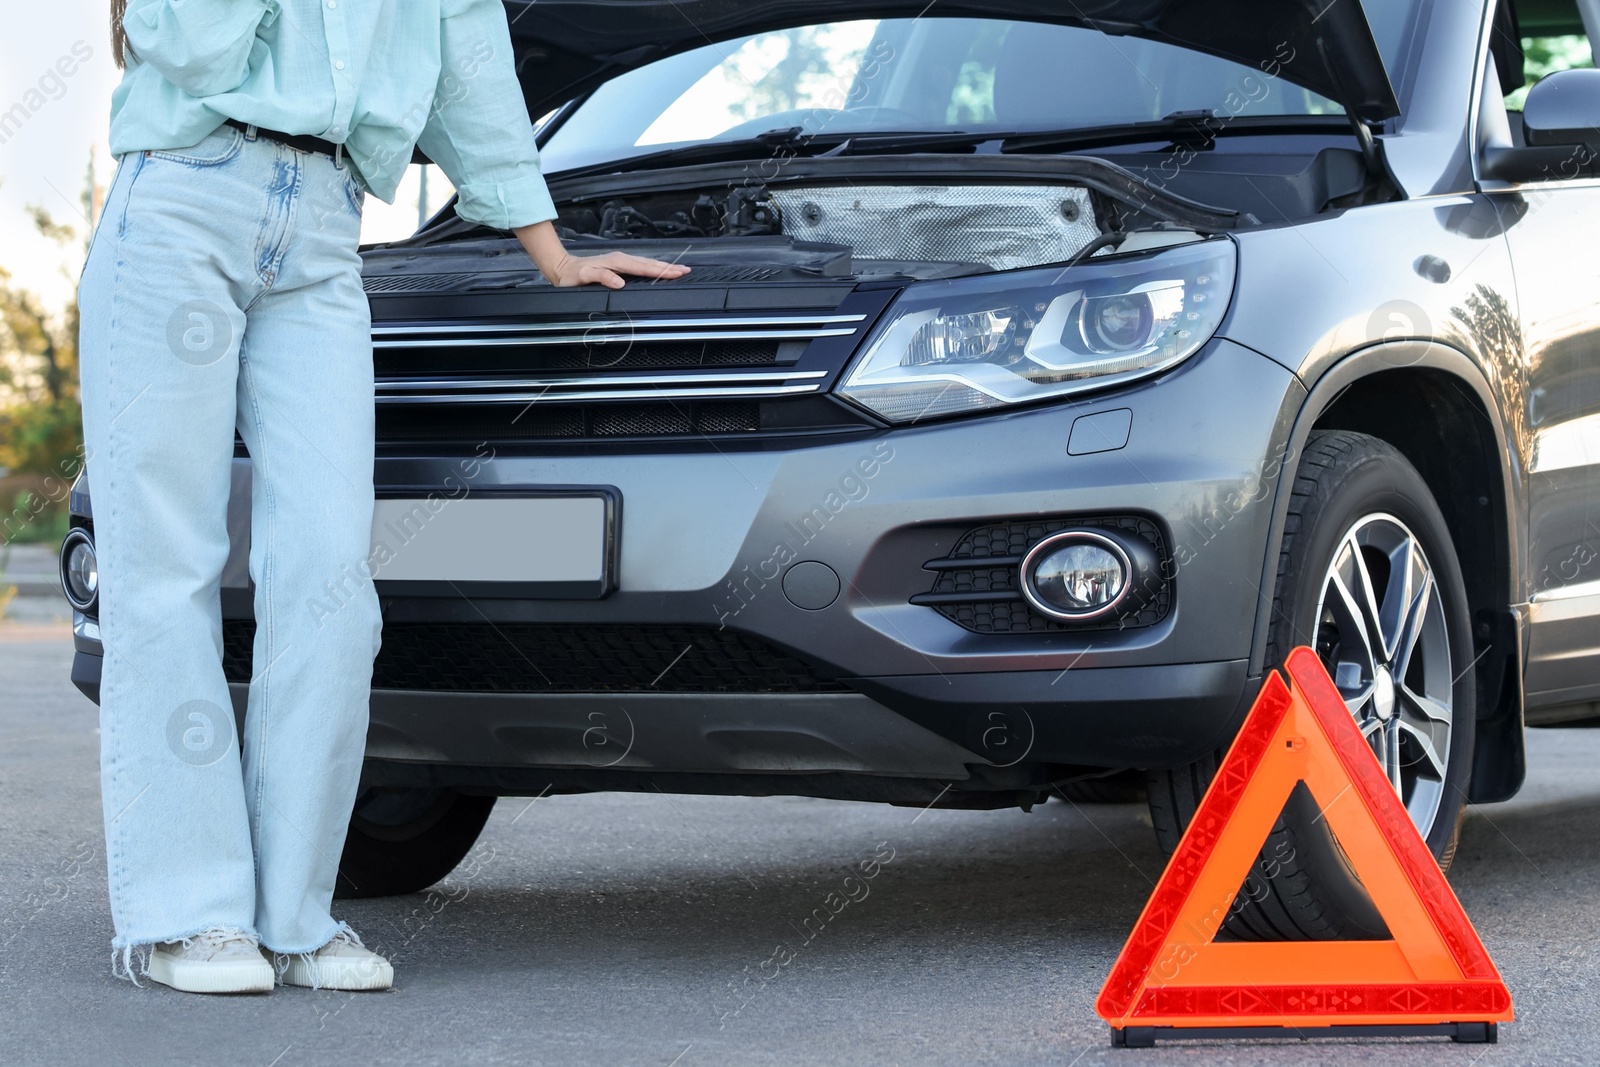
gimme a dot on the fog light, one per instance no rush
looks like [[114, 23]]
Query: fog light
[[80, 571], [1076, 575]]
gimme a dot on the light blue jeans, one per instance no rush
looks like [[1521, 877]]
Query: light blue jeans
[[222, 291]]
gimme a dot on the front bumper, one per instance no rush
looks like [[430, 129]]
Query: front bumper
[[708, 537]]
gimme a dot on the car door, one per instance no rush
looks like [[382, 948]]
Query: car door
[[1554, 232]]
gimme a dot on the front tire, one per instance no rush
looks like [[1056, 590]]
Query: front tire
[[1368, 577], [404, 840]]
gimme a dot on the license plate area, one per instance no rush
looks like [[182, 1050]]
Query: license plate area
[[544, 544]]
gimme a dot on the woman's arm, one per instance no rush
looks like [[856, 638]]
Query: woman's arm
[[479, 133], [201, 46]]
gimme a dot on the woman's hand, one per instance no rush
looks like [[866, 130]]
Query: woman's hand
[[608, 269], [562, 268]]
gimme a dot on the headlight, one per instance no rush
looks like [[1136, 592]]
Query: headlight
[[1013, 338]]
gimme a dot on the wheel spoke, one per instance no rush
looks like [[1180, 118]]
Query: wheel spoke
[[1355, 702], [1352, 622], [1377, 740], [1366, 598], [1386, 749], [1425, 706], [1425, 743], [1391, 737], [1395, 605], [1411, 628]]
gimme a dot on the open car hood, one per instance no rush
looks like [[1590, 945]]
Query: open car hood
[[566, 47]]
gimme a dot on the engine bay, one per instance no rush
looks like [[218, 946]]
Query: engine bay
[[918, 219], [961, 228]]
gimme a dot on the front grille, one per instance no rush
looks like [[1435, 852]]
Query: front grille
[[581, 356], [618, 375], [986, 597], [566, 658], [572, 422]]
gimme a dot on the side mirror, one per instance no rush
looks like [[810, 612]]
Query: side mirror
[[1561, 125], [1564, 109]]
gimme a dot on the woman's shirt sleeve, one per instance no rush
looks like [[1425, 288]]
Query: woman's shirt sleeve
[[478, 129], [201, 46]]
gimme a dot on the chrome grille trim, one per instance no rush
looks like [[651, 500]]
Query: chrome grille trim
[[619, 388], [735, 327], [598, 336], [550, 397], [467, 384]]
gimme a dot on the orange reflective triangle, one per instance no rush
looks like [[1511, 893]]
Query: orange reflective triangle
[[1171, 971]]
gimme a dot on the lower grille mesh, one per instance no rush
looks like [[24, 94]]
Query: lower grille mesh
[[512, 422], [1008, 612], [554, 658], [592, 355]]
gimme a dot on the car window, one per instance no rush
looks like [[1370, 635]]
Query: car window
[[1553, 39], [912, 76]]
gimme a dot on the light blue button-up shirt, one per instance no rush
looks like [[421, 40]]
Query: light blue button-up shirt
[[377, 76]]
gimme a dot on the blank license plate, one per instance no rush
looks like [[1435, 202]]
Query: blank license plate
[[553, 545]]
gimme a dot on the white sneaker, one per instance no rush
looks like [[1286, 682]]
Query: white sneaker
[[214, 961], [343, 963]]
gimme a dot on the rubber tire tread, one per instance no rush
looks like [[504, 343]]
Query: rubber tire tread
[[370, 867], [1287, 905]]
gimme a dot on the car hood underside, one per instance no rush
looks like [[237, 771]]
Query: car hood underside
[[566, 47]]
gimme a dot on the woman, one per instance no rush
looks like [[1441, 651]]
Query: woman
[[222, 292]]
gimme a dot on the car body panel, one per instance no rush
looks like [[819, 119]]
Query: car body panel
[[1425, 148], [713, 557], [1560, 350]]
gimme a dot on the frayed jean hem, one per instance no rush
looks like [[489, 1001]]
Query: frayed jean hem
[[338, 927], [123, 949], [281, 958]]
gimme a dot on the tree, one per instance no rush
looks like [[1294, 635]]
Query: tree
[[40, 420], [41, 428]]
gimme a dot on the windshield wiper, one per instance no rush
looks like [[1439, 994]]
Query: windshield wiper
[[1187, 128], [1180, 127], [788, 141]]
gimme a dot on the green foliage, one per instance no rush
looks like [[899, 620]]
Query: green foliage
[[1545, 55], [36, 519], [40, 423], [39, 437]]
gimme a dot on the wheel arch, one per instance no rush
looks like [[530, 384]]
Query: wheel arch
[[1433, 404]]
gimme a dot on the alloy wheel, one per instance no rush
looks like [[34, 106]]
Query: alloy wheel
[[1382, 634]]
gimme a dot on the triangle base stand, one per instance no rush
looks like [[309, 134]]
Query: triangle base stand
[[1148, 1036]]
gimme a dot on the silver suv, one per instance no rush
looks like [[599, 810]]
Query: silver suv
[[1045, 374]]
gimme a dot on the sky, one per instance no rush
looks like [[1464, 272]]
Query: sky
[[43, 161]]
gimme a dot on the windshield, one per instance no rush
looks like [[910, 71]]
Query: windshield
[[925, 75], [1395, 26]]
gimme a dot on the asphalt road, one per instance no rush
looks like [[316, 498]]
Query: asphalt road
[[620, 929]]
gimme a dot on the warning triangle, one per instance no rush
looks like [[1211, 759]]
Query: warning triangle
[[1172, 973]]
